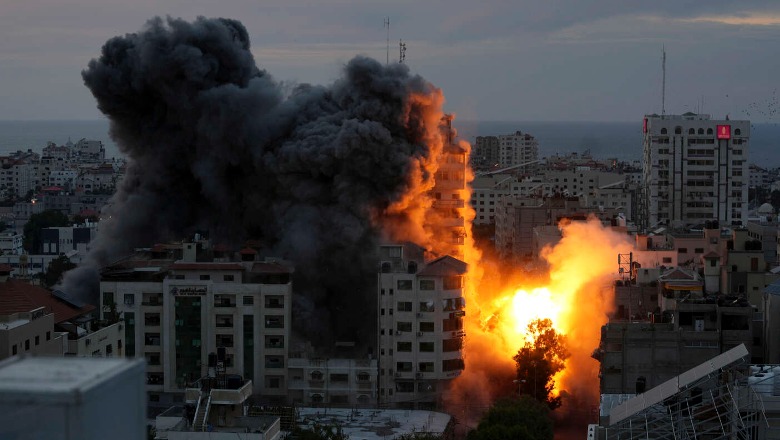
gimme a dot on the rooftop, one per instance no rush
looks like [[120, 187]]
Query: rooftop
[[47, 376], [18, 296]]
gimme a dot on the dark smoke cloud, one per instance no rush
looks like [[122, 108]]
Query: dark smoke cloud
[[214, 143]]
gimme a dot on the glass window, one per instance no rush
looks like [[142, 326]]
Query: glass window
[[427, 285], [404, 284]]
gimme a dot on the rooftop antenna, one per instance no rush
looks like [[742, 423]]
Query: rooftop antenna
[[387, 26], [402, 51], [663, 82]]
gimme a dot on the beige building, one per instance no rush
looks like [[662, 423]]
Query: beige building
[[420, 320]]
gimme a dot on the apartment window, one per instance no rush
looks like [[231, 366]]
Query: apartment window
[[14, 349], [403, 346], [274, 321], [698, 251], [452, 345], [682, 250], [427, 285], [37, 340], [109, 350], [404, 326], [667, 260], [27, 344], [224, 340], [426, 346], [108, 298], [427, 306], [249, 300], [426, 326], [425, 367], [228, 278], [454, 282], [152, 338], [205, 277], [274, 341], [404, 306], [274, 362], [274, 302], [48, 336], [403, 366], [404, 284], [129, 299]]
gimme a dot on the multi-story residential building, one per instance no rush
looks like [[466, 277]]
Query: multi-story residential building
[[485, 154], [11, 243], [448, 224], [486, 191], [68, 239], [89, 151], [685, 329], [420, 320], [179, 310], [695, 169], [36, 321], [518, 148], [332, 382]]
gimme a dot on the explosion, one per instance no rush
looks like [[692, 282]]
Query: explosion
[[320, 175]]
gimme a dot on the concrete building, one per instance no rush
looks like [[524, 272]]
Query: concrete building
[[11, 243], [518, 148], [68, 239], [332, 382], [179, 309], [72, 398], [447, 222], [486, 152], [695, 169], [421, 309], [89, 151]]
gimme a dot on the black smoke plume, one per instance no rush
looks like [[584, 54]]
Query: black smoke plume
[[215, 143]]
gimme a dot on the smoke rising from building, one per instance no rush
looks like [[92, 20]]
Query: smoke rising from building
[[215, 143]]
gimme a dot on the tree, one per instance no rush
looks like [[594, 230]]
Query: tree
[[56, 268], [32, 229], [521, 418], [542, 356]]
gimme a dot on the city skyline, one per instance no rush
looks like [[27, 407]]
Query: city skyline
[[600, 62]]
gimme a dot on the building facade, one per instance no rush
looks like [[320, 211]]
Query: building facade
[[180, 311], [420, 320], [695, 169]]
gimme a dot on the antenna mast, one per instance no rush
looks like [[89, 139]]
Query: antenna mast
[[401, 51], [387, 49], [663, 82]]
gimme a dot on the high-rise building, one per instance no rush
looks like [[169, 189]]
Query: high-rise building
[[517, 148], [695, 169], [420, 320]]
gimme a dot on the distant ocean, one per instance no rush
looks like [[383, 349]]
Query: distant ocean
[[621, 140]]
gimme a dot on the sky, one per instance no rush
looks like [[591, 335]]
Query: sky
[[551, 60]]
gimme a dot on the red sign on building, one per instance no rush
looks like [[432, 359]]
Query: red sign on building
[[724, 131], [644, 125]]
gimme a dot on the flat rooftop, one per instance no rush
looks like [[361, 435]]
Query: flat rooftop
[[374, 424], [33, 375]]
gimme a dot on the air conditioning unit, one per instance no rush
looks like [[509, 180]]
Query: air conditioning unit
[[419, 333]]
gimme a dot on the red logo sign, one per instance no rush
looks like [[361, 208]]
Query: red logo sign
[[724, 131], [644, 125]]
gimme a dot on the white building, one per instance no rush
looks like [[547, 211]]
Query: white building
[[11, 243], [420, 320], [695, 169], [516, 149], [177, 312]]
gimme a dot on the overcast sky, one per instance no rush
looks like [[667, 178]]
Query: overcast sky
[[542, 60]]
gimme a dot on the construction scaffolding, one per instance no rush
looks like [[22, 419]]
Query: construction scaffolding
[[711, 401]]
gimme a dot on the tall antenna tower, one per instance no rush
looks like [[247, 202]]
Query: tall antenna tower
[[401, 51], [387, 26], [663, 82]]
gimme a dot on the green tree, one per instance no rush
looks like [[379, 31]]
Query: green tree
[[521, 418], [57, 267], [32, 229], [542, 356]]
